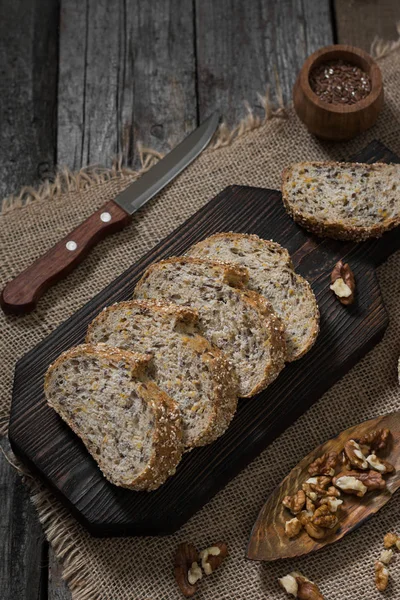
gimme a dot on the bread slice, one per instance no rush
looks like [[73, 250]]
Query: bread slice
[[240, 322], [130, 427], [185, 365], [345, 201], [271, 274]]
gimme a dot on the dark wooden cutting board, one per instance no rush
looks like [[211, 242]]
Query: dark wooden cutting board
[[46, 444]]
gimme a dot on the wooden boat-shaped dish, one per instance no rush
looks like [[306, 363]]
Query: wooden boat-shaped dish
[[268, 540]]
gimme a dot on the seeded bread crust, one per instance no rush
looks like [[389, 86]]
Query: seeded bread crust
[[268, 264], [142, 325], [344, 201], [167, 430], [268, 325]]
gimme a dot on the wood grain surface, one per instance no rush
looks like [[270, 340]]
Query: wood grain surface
[[28, 84], [245, 47], [127, 74], [347, 333], [23, 556], [268, 540]]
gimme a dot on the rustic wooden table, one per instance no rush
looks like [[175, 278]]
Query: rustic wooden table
[[81, 81]]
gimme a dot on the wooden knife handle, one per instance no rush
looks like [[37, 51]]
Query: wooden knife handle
[[21, 294]]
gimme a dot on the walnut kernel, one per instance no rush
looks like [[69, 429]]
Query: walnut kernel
[[379, 464], [386, 556], [324, 518], [355, 456], [332, 503], [381, 576], [376, 439], [293, 527], [390, 540], [212, 557], [324, 465], [343, 283], [289, 584], [295, 503], [350, 485]]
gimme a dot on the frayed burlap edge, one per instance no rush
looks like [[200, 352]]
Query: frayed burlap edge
[[55, 519], [67, 181], [382, 48]]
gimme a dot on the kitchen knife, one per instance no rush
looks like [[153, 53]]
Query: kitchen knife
[[22, 293]]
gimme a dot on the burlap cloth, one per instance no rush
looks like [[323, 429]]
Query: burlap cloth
[[141, 568]]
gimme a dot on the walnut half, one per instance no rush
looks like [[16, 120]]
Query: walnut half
[[324, 465], [212, 557], [355, 455], [295, 503], [293, 527], [343, 283], [186, 569], [299, 586]]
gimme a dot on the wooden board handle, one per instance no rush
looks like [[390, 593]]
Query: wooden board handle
[[21, 294]]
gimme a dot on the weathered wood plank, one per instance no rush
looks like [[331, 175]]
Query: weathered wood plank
[[57, 588], [28, 91], [243, 46], [22, 544], [126, 74], [357, 23]]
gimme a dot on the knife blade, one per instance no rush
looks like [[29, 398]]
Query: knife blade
[[21, 295]]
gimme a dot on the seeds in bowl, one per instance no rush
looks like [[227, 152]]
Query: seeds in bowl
[[339, 82]]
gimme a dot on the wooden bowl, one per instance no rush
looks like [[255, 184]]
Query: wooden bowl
[[338, 121]]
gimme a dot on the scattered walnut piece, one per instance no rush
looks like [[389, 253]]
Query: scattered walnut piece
[[307, 590], [355, 456], [324, 465], [293, 527], [350, 485], [390, 540], [185, 567], [295, 503], [289, 584], [376, 439], [343, 283], [299, 586], [324, 518], [378, 464], [386, 556], [211, 558], [381, 576], [194, 574]]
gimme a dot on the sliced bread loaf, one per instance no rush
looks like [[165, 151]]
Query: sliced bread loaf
[[185, 365], [240, 322], [271, 274], [130, 427], [345, 201]]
